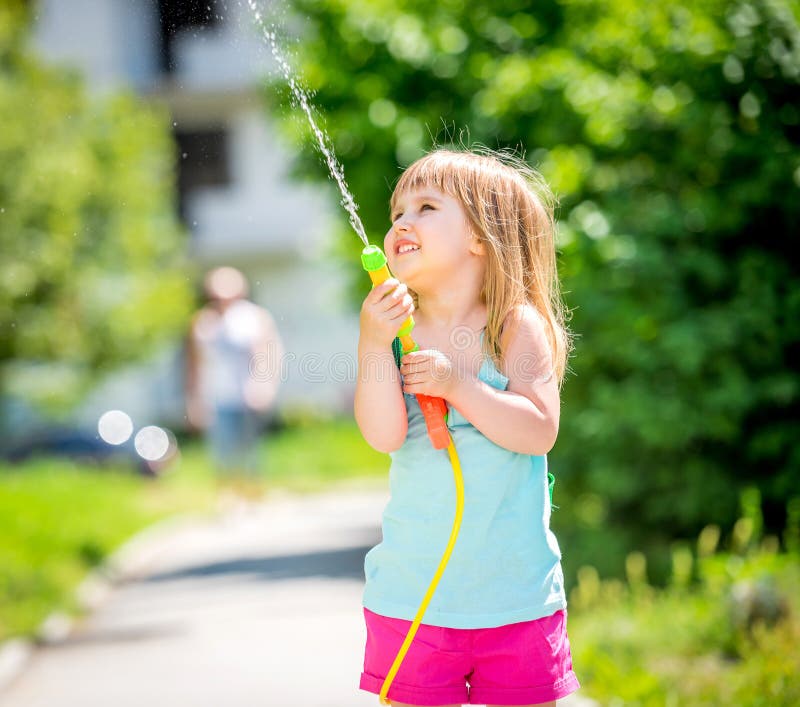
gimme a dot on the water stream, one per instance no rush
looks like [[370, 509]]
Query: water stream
[[323, 141]]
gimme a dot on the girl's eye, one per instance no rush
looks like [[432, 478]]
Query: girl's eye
[[396, 216], [426, 206]]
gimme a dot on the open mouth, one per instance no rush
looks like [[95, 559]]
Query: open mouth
[[405, 248]]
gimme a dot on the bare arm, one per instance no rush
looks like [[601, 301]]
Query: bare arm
[[265, 364], [379, 408], [523, 418]]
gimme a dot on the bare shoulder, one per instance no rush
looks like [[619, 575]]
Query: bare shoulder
[[527, 354], [527, 360], [526, 318]]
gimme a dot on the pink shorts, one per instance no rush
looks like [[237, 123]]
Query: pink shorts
[[518, 664]]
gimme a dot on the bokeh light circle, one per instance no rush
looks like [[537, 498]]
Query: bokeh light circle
[[115, 427], [151, 443]]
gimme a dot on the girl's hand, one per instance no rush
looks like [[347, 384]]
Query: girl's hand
[[383, 312], [429, 372]]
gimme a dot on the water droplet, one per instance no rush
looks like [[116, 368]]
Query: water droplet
[[323, 142]]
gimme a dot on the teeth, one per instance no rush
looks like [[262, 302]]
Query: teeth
[[406, 247]]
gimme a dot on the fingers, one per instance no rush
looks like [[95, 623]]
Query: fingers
[[391, 299], [421, 368], [416, 363], [407, 369], [415, 386], [378, 292], [384, 310], [418, 357], [401, 310], [397, 300]]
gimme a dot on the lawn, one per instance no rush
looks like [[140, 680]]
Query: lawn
[[59, 519], [724, 631]]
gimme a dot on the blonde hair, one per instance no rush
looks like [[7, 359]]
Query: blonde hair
[[510, 209]]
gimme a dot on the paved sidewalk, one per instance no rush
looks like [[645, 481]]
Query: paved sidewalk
[[260, 606]]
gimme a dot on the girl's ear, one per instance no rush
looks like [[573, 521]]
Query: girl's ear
[[476, 246]]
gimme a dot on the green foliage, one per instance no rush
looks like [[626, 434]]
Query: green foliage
[[726, 637], [92, 272], [308, 453], [308, 457], [59, 519], [671, 131]]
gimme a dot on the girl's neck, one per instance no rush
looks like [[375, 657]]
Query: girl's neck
[[448, 308], [453, 298]]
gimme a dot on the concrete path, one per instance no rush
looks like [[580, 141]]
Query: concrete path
[[259, 606]]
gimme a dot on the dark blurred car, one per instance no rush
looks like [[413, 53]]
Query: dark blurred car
[[85, 447]]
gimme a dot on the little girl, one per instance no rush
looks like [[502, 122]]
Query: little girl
[[472, 241]]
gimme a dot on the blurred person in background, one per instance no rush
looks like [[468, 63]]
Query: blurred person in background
[[232, 372]]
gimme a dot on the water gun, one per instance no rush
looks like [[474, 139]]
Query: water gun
[[434, 410]]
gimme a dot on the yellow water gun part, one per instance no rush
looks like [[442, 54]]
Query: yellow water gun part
[[435, 411]]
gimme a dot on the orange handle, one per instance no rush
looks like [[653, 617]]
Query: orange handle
[[434, 411]]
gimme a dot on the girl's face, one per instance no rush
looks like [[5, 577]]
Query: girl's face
[[430, 237]]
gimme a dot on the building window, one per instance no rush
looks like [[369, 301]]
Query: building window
[[177, 15], [202, 162]]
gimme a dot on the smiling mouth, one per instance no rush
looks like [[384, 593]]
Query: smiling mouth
[[406, 248]]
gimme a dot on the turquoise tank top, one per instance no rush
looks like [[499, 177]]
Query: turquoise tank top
[[506, 564]]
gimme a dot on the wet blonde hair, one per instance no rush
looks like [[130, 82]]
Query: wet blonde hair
[[510, 210]]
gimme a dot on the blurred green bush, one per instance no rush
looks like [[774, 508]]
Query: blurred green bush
[[93, 271], [723, 632], [59, 519], [671, 131]]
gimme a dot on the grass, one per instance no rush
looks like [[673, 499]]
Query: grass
[[724, 631], [311, 456], [59, 519], [726, 634]]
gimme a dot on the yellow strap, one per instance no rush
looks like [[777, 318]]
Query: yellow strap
[[401, 654]]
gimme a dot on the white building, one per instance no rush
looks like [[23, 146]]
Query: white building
[[206, 61]]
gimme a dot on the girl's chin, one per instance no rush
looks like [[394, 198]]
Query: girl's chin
[[415, 274], [416, 281], [402, 269]]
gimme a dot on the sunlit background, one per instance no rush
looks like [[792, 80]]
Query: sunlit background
[[144, 143]]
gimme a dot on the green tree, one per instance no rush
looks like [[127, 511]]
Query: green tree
[[671, 132], [91, 273]]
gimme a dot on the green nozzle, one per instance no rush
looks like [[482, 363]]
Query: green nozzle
[[372, 258]]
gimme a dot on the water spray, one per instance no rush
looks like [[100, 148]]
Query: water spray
[[373, 260], [301, 97]]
